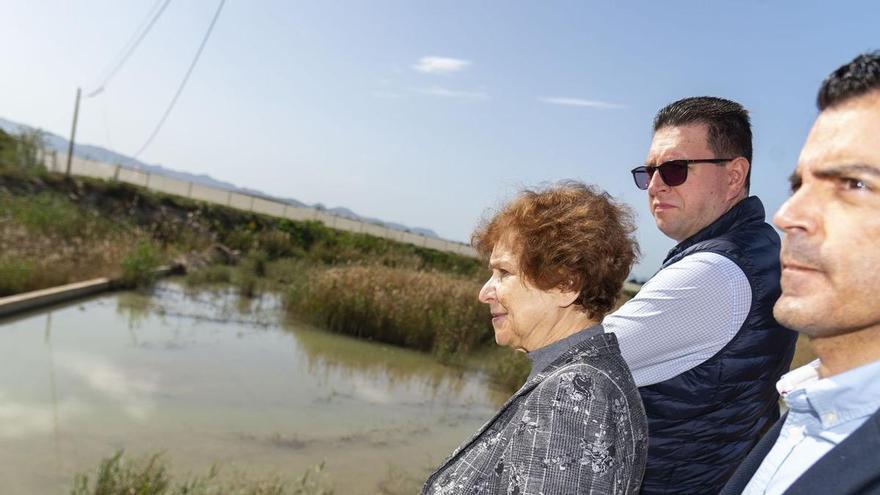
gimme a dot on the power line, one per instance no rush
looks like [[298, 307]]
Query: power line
[[185, 79], [138, 36]]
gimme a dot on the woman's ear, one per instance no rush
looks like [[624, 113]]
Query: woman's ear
[[566, 298]]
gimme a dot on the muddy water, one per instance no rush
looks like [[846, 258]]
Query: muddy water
[[207, 377]]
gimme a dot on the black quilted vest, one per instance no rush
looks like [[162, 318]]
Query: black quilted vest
[[703, 422]]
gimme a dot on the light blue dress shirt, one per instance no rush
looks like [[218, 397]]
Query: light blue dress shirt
[[822, 413]]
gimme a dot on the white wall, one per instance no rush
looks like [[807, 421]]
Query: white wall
[[167, 185]]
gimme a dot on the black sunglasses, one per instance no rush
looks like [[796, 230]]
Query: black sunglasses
[[673, 172]]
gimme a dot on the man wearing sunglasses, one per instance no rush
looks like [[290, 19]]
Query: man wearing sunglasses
[[700, 337]]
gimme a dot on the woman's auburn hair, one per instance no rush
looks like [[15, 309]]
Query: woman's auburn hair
[[568, 236]]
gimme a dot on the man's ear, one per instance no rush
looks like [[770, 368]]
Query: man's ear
[[737, 171]]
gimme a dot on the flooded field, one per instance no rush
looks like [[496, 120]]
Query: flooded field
[[207, 377]]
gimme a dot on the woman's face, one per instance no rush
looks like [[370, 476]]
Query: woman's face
[[522, 315]]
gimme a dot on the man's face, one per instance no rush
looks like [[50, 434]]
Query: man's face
[[683, 210], [831, 247]]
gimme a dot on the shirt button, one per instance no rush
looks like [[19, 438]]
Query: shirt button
[[829, 417], [796, 433]]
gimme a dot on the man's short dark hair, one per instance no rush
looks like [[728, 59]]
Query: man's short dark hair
[[851, 80], [730, 131]]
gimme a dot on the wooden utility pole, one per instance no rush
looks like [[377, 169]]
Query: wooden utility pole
[[73, 131]]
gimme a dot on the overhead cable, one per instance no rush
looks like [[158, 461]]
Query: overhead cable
[[138, 36], [185, 79]]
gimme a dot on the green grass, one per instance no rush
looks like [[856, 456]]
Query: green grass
[[15, 275], [54, 215], [120, 475], [139, 266]]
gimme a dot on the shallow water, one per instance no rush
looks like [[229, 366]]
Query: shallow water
[[206, 377]]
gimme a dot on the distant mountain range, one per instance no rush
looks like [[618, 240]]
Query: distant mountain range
[[97, 153]]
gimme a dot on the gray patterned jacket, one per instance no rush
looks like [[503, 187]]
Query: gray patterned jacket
[[576, 427]]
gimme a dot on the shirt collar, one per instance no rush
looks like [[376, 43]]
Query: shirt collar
[[544, 356], [849, 395]]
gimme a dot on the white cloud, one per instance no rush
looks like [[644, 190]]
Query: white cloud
[[578, 102], [451, 93], [440, 65]]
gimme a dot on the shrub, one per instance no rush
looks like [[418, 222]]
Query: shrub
[[276, 244], [22, 152], [240, 239], [255, 263], [139, 267]]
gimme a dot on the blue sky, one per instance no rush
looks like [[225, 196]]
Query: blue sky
[[335, 102]]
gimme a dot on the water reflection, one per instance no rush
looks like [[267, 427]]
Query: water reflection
[[116, 384], [136, 307], [209, 376], [218, 304], [21, 419], [332, 358]]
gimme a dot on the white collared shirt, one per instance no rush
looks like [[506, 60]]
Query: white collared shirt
[[682, 317]]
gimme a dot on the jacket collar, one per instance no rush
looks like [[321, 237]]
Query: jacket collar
[[581, 351], [854, 456], [589, 348], [747, 211]]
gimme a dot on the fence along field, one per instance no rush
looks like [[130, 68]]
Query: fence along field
[[56, 162]]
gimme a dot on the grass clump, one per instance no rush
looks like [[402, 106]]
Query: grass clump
[[427, 311], [53, 215], [209, 275], [247, 283], [139, 267], [15, 275], [255, 263], [119, 475]]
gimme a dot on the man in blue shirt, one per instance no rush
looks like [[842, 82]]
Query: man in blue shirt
[[829, 442]]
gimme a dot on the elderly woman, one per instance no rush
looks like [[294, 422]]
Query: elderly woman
[[558, 257]]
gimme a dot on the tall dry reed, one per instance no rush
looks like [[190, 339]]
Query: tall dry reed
[[428, 311]]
